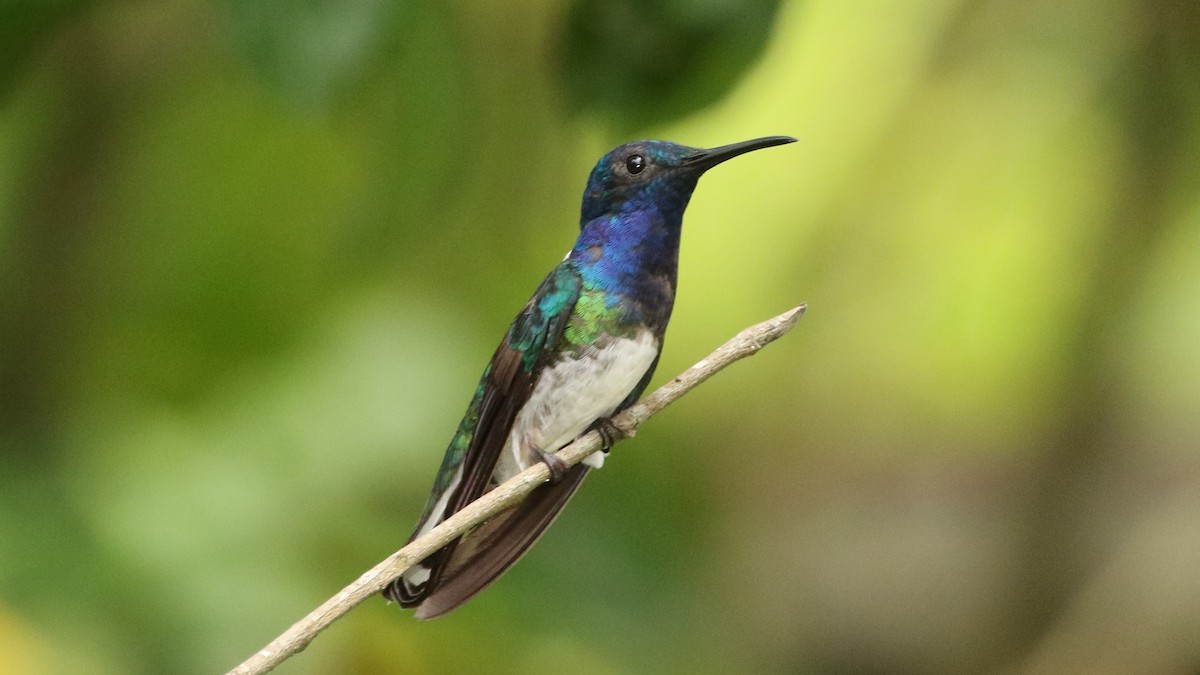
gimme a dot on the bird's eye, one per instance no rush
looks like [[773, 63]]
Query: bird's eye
[[635, 164]]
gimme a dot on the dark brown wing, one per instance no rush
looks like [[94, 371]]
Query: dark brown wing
[[508, 382]]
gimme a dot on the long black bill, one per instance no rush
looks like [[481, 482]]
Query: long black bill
[[707, 159]]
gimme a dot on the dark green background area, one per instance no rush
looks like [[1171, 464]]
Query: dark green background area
[[253, 257]]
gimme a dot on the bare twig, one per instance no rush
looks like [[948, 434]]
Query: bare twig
[[296, 638]]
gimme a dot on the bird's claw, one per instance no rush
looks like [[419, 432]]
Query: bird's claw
[[557, 466], [609, 433]]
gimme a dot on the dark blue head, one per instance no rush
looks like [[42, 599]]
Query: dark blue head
[[655, 176], [632, 215]]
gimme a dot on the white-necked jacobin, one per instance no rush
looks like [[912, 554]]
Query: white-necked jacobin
[[583, 349]]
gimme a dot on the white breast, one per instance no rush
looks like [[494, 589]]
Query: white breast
[[572, 394]]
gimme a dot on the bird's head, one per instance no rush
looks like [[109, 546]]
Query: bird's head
[[655, 175]]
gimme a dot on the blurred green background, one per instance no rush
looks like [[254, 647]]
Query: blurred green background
[[253, 257]]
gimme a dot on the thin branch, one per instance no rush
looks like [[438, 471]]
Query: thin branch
[[504, 496]]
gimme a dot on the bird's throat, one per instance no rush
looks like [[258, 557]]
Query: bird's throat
[[621, 251]]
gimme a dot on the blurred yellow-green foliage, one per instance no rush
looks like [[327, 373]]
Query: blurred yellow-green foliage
[[254, 255]]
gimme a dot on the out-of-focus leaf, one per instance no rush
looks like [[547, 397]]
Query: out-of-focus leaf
[[315, 50], [638, 63], [24, 28]]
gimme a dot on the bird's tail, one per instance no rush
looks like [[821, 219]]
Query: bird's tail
[[454, 574]]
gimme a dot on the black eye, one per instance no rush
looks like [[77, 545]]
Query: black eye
[[635, 164]]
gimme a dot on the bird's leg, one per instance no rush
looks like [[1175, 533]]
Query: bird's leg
[[609, 433], [558, 467]]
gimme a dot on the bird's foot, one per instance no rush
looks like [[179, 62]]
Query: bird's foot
[[609, 433], [558, 467]]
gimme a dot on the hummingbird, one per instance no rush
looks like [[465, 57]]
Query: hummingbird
[[581, 350]]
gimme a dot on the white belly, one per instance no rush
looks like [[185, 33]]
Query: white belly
[[571, 395]]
